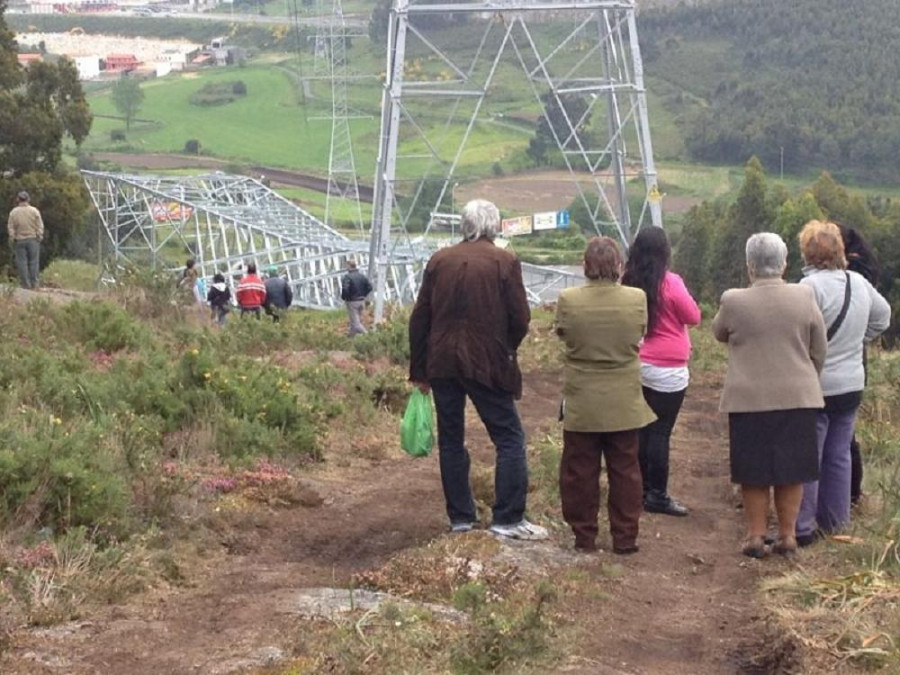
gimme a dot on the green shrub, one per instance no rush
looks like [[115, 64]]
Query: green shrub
[[61, 478], [390, 340], [495, 637], [99, 325], [218, 93], [192, 146]]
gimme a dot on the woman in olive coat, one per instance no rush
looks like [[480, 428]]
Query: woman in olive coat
[[602, 324]]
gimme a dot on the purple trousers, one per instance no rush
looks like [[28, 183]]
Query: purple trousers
[[826, 502]]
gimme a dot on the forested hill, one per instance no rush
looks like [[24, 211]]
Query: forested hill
[[818, 78]]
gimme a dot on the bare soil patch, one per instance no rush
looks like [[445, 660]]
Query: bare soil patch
[[543, 191], [686, 604]]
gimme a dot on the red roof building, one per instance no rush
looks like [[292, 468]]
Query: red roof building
[[26, 60], [121, 63]]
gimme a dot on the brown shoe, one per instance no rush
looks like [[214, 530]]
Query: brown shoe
[[786, 546], [755, 547]]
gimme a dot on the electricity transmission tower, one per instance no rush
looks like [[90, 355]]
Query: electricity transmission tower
[[561, 51], [332, 37]]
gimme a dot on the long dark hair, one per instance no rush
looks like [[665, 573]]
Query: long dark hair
[[647, 263], [860, 256]]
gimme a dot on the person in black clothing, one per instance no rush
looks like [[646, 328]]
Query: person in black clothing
[[862, 260], [279, 295], [219, 299], [355, 287]]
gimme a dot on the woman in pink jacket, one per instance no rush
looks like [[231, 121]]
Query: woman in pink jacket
[[664, 359]]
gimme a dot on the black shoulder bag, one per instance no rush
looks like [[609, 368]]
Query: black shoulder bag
[[833, 328]]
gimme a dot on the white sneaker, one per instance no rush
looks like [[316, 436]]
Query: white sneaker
[[524, 530], [459, 528]]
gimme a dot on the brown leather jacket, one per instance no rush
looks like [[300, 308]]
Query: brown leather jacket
[[471, 315]]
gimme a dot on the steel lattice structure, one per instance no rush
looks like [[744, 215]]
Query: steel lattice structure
[[331, 64], [596, 58], [226, 221]]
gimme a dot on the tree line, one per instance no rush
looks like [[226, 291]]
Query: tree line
[[814, 79], [710, 249], [41, 107]]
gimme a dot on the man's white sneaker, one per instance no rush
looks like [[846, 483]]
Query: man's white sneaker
[[459, 528], [525, 531]]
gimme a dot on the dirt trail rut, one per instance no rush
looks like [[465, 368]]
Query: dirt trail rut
[[683, 605]]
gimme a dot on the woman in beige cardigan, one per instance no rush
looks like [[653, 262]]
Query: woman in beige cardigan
[[776, 347]]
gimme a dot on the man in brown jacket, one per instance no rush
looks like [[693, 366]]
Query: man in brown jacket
[[471, 315], [26, 231]]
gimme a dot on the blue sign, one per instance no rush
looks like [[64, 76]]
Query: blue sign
[[562, 220]]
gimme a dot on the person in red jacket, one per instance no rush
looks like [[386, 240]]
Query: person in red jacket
[[251, 292], [664, 359]]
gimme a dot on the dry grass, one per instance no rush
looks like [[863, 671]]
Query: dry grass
[[436, 571], [843, 604], [852, 618]]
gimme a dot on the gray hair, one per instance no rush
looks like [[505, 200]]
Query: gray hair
[[480, 219], [766, 255]]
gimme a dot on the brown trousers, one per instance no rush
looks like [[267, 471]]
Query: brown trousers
[[579, 485]]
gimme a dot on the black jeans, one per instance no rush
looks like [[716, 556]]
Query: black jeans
[[653, 448], [856, 471], [498, 413]]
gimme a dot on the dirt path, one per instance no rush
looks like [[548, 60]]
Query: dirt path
[[683, 605]]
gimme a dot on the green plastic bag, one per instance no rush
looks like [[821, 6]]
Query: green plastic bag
[[417, 427]]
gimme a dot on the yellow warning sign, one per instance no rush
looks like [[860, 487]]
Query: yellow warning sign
[[654, 195]]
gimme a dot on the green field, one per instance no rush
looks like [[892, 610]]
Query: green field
[[271, 125], [266, 126]]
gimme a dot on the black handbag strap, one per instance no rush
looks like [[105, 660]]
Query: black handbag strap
[[833, 328]]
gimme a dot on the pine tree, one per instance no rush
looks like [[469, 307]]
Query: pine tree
[[789, 220], [692, 256], [750, 213]]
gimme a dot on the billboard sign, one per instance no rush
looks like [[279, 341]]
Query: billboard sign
[[513, 227], [545, 221], [170, 212]]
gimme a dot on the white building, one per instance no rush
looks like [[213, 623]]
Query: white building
[[88, 66], [177, 58]]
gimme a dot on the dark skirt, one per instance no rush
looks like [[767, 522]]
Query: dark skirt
[[777, 447]]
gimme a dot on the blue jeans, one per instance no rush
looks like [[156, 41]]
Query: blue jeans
[[498, 413], [826, 503]]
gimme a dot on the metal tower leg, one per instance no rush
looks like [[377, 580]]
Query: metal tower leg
[[386, 168]]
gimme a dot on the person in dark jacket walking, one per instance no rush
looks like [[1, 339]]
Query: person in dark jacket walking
[[279, 295], [219, 299], [470, 317], [355, 287]]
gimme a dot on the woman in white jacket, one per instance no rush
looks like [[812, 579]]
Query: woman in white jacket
[[854, 312]]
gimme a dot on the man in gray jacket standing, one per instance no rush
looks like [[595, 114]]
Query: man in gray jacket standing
[[26, 231], [355, 287]]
